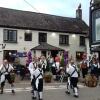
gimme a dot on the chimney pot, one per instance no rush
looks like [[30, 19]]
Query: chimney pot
[[79, 12]]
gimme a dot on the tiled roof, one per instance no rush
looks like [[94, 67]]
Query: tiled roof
[[38, 21], [46, 46]]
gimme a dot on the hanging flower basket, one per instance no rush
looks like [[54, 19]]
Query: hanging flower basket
[[91, 80]]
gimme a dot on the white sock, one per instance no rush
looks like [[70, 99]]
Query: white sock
[[40, 95], [12, 86], [35, 93], [68, 87], [76, 91]]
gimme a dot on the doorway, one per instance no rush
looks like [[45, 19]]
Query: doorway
[[43, 53], [54, 53], [9, 55]]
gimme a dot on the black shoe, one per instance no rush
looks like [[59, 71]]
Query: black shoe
[[76, 96], [67, 92], [40, 99], [13, 91], [33, 98]]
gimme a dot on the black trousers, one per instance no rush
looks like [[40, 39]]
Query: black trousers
[[84, 72], [74, 81], [8, 78], [53, 69], [40, 85], [95, 72]]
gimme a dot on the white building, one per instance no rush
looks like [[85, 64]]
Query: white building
[[21, 31]]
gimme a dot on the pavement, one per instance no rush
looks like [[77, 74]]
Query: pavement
[[52, 91]]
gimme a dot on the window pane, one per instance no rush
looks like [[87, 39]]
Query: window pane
[[82, 41], [14, 35], [42, 37], [28, 37], [5, 35], [64, 39], [10, 35]]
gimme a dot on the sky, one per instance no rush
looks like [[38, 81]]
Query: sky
[[65, 8]]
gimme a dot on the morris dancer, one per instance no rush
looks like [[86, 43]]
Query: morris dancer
[[5, 73], [38, 86], [32, 67], [73, 72]]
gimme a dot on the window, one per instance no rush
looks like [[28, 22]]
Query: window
[[42, 38], [10, 35], [28, 37], [82, 41], [64, 39]]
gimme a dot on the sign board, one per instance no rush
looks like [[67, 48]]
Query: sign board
[[96, 26], [96, 1]]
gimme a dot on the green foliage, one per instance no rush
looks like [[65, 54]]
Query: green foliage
[[62, 64]]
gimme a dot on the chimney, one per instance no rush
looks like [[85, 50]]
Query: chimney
[[79, 12]]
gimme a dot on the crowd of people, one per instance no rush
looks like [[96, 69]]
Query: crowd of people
[[39, 66]]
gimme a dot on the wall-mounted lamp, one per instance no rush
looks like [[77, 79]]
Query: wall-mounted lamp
[[53, 34], [73, 35], [28, 31]]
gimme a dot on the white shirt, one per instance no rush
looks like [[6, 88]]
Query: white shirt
[[44, 63], [37, 72], [51, 60], [96, 65], [56, 65], [32, 67], [71, 69], [4, 67]]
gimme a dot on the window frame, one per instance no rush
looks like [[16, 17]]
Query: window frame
[[63, 39], [8, 36], [82, 42], [41, 34], [26, 36]]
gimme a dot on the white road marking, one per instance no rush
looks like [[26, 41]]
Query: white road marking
[[45, 88]]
